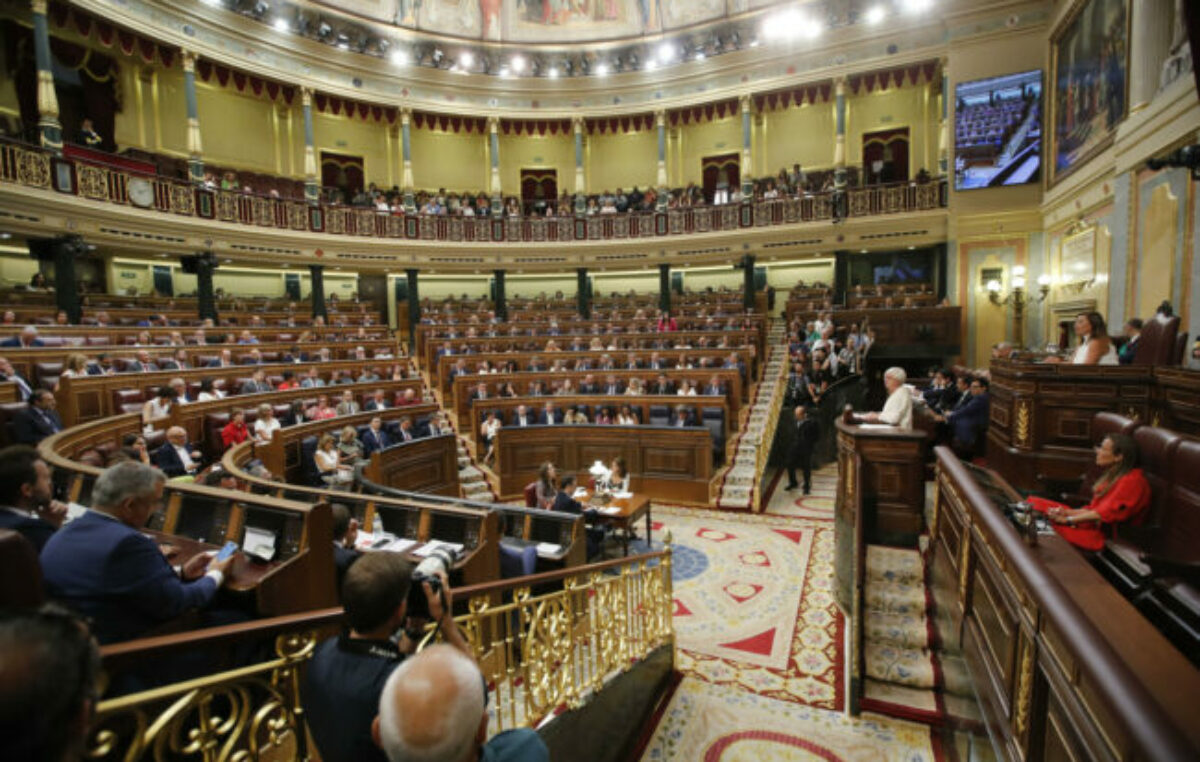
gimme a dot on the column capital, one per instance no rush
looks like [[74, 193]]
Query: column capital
[[744, 102], [660, 118], [577, 124], [405, 116], [493, 124], [839, 86], [39, 7], [306, 96], [188, 58]]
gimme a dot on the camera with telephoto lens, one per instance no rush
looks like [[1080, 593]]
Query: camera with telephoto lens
[[439, 560]]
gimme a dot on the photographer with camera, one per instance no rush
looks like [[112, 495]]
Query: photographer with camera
[[385, 618]]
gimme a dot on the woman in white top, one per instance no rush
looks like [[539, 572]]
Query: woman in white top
[[266, 424], [158, 408], [686, 389], [209, 393], [488, 430], [76, 366], [1095, 348], [329, 463], [618, 477], [626, 417]]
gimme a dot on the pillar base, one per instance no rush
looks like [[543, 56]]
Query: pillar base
[[497, 205], [747, 189], [410, 201], [196, 169], [312, 191], [580, 204], [50, 135], [662, 198]]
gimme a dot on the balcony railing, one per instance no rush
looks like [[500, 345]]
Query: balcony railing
[[105, 183]]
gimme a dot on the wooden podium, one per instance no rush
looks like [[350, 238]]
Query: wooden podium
[[880, 500]]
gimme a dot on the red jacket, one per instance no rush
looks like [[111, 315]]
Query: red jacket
[[1124, 501], [234, 433]]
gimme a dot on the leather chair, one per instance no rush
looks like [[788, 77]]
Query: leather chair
[[308, 451], [1157, 343], [713, 419], [213, 446], [517, 561], [46, 374], [530, 491], [1103, 424], [20, 572], [660, 415], [1181, 345], [121, 397]]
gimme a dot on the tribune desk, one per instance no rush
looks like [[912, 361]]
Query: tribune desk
[[621, 513]]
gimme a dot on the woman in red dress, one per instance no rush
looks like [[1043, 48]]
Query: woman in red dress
[[1121, 494], [235, 432]]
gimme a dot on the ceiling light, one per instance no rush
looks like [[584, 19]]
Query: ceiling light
[[553, 72], [917, 6], [518, 64], [700, 55], [666, 53], [601, 69], [281, 25], [876, 14], [651, 64], [505, 71], [399, 57], [466, 59]]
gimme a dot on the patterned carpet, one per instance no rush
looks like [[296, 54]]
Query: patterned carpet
[[712, 723]]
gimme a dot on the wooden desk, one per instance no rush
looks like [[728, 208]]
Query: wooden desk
[[428, 464], [1063, 666], [630, 509]]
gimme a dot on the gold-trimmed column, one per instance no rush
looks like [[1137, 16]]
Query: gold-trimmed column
[[312, 191], [194, 147], [493, 125], [49, 127], [747, 169], [406, 173], [839, 139], [944, 124], [580, 176]]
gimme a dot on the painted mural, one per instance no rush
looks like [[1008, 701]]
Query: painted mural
[[547, 21], [1091, 65]]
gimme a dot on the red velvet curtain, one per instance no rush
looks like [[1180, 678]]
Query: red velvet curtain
[[341, 171], [890, 149], [538, 188]]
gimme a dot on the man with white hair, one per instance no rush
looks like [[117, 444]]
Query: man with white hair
[[27, 338], [434, 709], [897, 411]]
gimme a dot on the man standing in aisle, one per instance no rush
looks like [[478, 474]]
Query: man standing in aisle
[[800, 452]]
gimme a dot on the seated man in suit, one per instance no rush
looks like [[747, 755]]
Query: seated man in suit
[[433, 428], [348, 405], [612, 385], [225, 360], [565, 502], [550, 415], [38, 420], [7, 373], [367, 376], [312, 380], [407, 432], [177, 362], [378, 401], [253, 357], [522, 417], [588, 385], [681, 417], [345, 534], [27, 503], [177, 457], [27, 338], [143, 364], [102, 565], [662, 385], [294, 355], [257, 384], [713, 387], [969, 422], [375, 438], [939, 389]]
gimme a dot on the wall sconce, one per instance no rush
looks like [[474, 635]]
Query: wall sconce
[[1019, 296]]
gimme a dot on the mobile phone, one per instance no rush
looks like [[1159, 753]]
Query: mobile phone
[[228, 550]]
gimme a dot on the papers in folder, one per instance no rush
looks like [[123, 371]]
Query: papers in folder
[[259, 543], [548, 549], [622, 495], [579, 493], [398, 545], [429, 547], [610, 510]]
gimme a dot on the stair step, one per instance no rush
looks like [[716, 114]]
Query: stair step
[[895, 599], [904, 630], [895, 565], [911, 667]]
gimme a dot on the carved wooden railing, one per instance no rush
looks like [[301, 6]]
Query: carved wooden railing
[[34, 167], [539, 654]]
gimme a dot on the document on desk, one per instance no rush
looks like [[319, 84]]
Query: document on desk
[[610, 510], [259, 543], [876, 426], [548, 549], [399, 545], [579, 493], [622, 495], [432, 545]]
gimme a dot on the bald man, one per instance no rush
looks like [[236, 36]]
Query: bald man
[[434, 708]]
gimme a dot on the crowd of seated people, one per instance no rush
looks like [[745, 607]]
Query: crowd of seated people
[[340, 450]]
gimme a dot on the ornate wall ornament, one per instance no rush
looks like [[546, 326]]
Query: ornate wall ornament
[[1022, 428], [93, 182], [964, 565], [33, 168], [1024, 697], [183, 200]]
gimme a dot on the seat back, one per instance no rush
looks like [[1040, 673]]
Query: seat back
[[517, 562], [1181, 349], [1183, 520], [20, 572], [531, 495], [1156, 346], [659, 415], [308, 451], [1156, 452]]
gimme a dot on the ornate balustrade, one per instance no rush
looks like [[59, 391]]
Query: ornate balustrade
[[33, 167], [538, 653]]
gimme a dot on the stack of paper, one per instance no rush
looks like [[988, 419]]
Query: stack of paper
[[548, 549], [433, 545]]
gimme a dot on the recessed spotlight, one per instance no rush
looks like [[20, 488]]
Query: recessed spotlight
[[552, 73], [875, 14], [917, 6], [666, 53], [700, 55], [466, 59], [399, 57], [651, 64], [281, 25], [602, 69], [505, 71], [517, 64]]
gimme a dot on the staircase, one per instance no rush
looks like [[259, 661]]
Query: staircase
[[740, 485]]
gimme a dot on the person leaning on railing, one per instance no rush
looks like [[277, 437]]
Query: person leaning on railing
[[344, 681]]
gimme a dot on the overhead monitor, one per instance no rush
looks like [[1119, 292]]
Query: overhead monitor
[[998, 131]]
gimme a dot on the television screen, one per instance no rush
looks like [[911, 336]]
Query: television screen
[[998, 131]]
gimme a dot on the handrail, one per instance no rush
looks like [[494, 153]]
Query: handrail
[[1140, 713]]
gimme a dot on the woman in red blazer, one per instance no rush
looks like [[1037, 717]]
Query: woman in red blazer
[[235, 432], [1121, 494]]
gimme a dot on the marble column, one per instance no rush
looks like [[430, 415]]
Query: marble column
[[580, 178], [414, 306], [839, 140], [582, 297], [747, 170], [318, 291], [194, 148], [944, 124], [49, 128], [499, 298], [660, 121], [406, 174], [1150, 44], [312, 188], [748, 281], [664, 287], [493, 124]]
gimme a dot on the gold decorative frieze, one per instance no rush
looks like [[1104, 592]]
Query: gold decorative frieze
[[93, 182], [1024, 422], [33, 168], [1023, 703], [183, 200]]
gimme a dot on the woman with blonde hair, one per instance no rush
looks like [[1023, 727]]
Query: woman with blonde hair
[[266, 424], [76, 366], [349, 447], [329, 462]]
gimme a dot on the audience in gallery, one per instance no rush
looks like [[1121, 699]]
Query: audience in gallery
[[345, 679], [27, 504], [1120, 495], [102, 565]]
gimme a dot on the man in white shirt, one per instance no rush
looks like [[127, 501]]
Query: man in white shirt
[[897, 411]]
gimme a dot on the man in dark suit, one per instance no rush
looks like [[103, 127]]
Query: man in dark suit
[[612, 385], [178, 362], [588, 385], [178, 457], [941, 390], [375, 438], [969, 421], [27, 338], [433, 429], [102, 565], [550, 415], [800, 450], [378, 401], [713, 387], [957, 397], [294, 355], [256, 385], [407, 432], [224, 361], [662, 385], [345, 534], [27, 503], [522, 417], [39, 420], [143, 363], [632, 362], [7, 373], [566, 503], [681, 417]]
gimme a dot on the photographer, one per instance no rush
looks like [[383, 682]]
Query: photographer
[[347, 673]]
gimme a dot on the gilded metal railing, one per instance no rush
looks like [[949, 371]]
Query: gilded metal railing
[[539, 653]]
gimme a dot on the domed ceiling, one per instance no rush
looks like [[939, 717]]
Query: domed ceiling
[[546, 21]]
